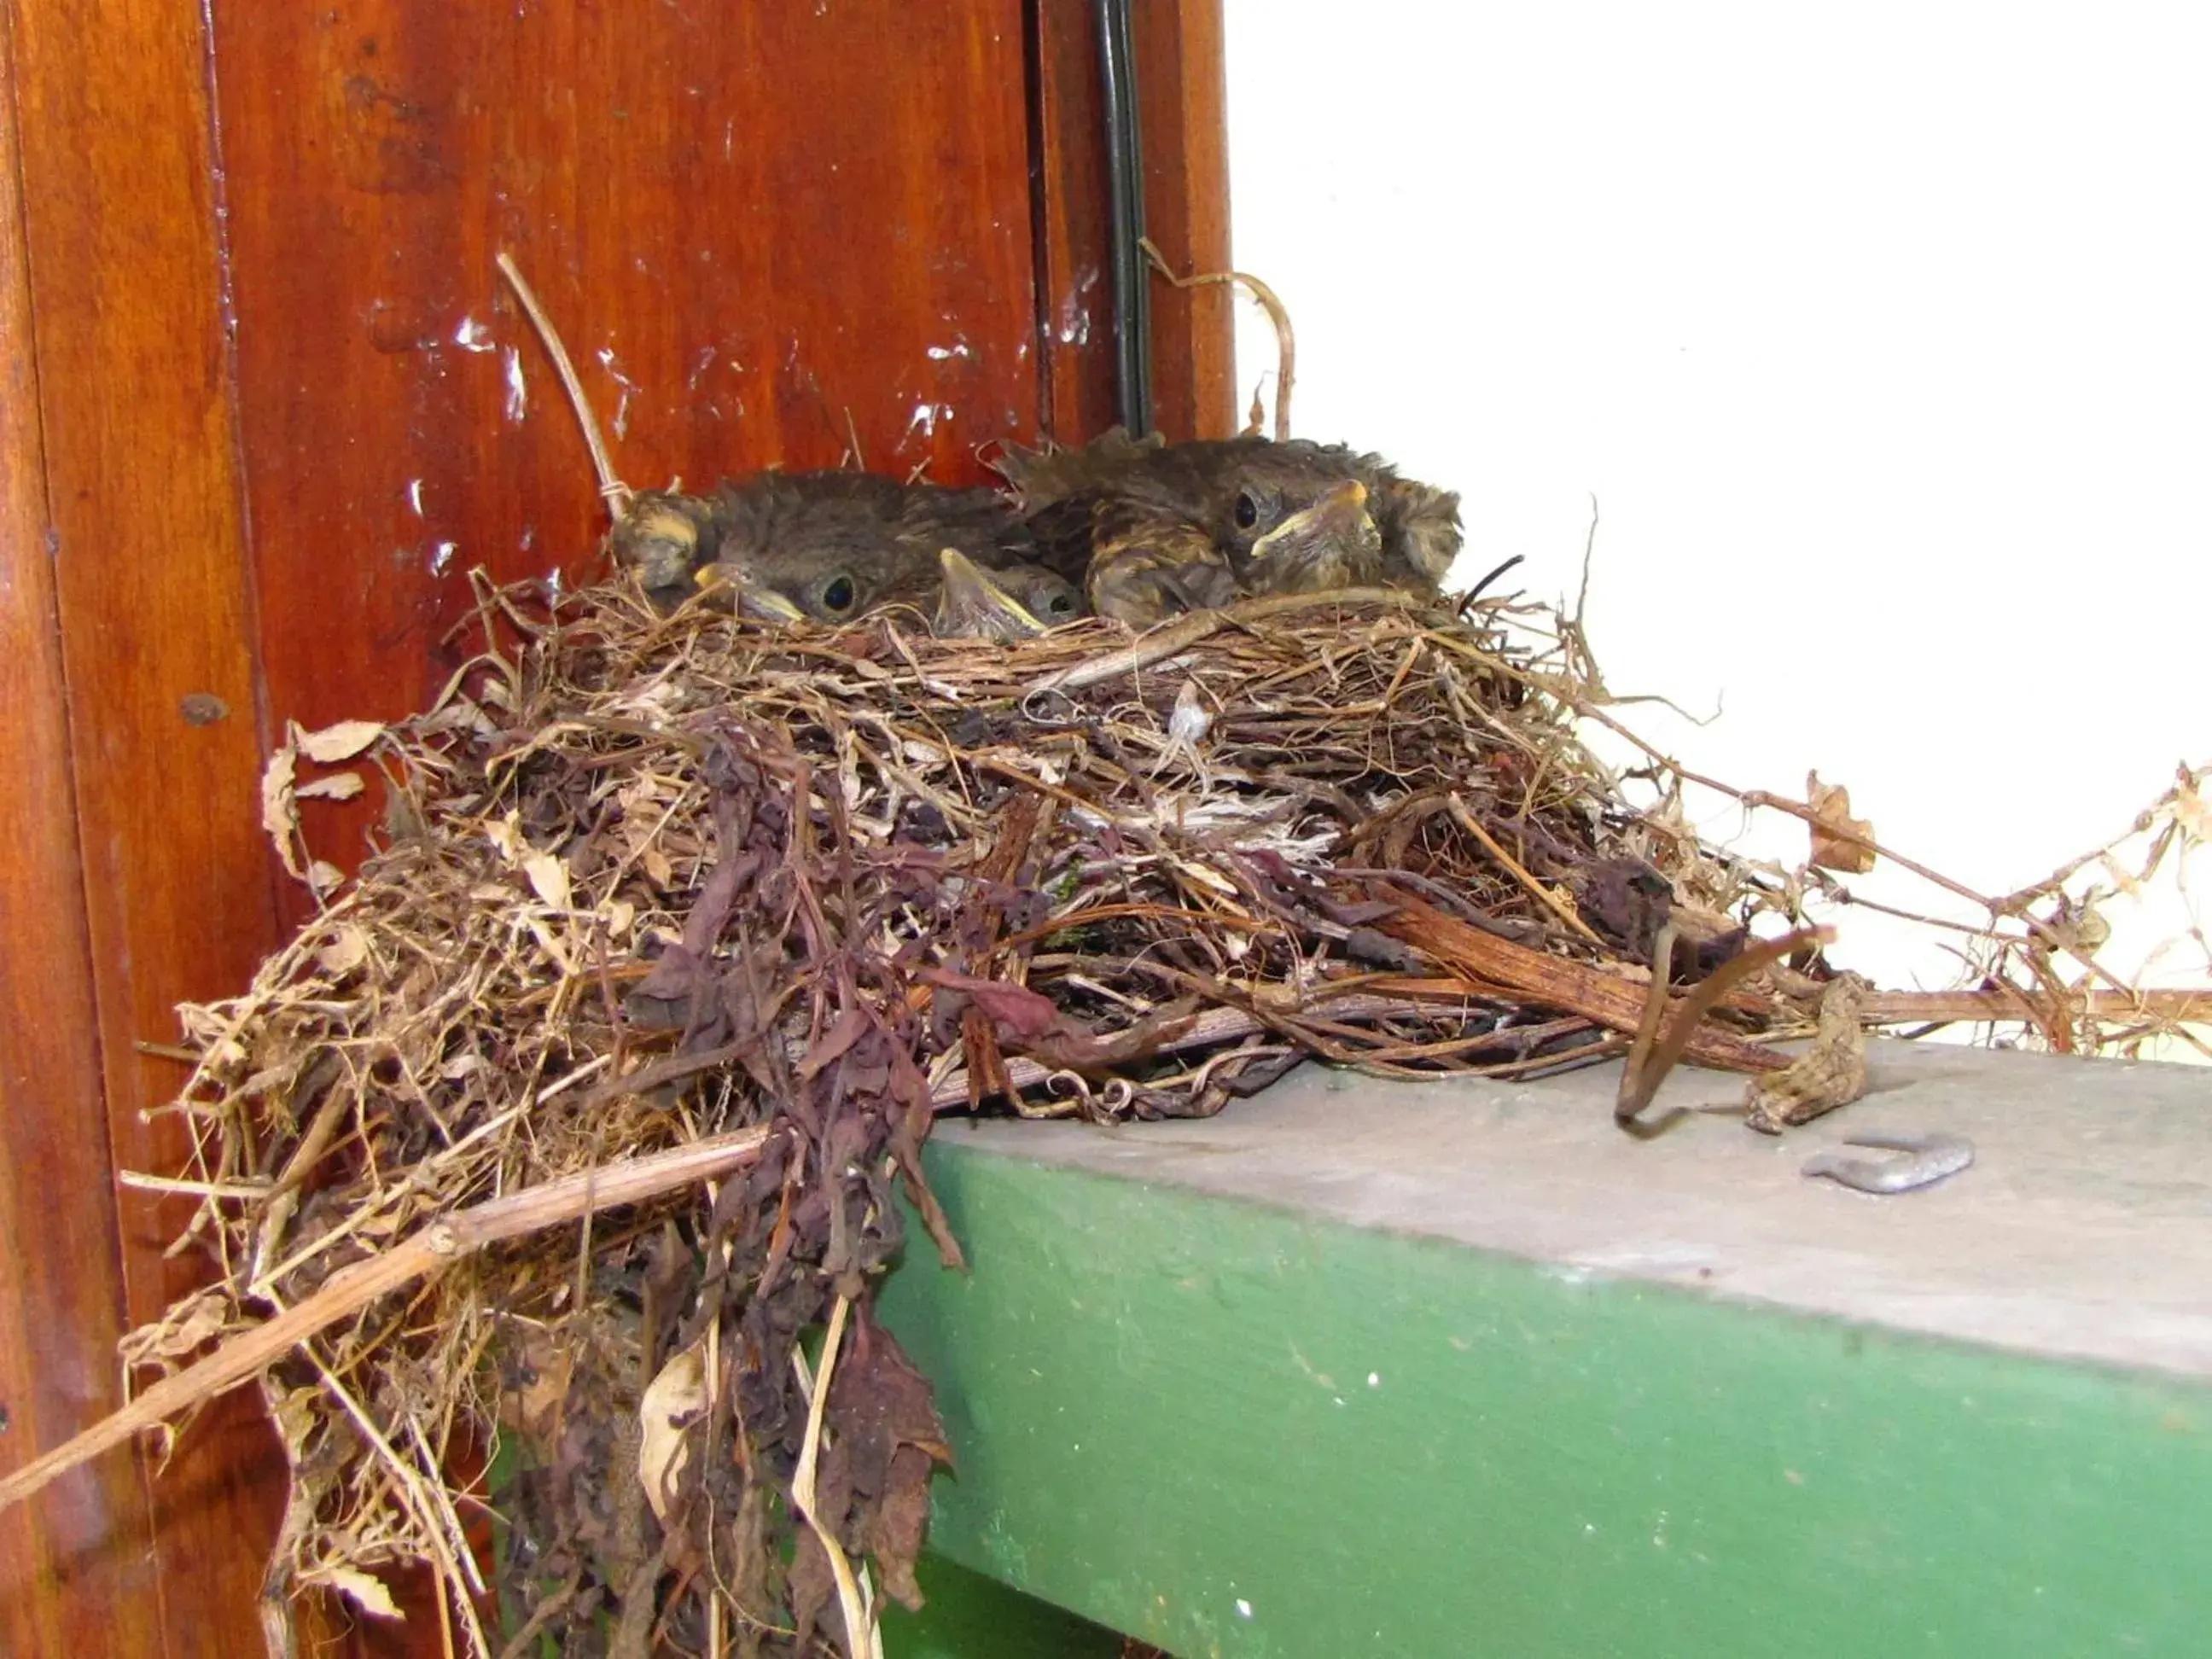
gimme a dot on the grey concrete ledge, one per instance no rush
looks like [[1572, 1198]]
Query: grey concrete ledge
[[2083, 1230]]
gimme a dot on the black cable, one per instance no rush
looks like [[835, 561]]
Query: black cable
[[1125, 186]]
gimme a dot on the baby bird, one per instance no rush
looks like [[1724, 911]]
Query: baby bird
[[827, 547], [1013, 602], [662, 538], [1158, 527]]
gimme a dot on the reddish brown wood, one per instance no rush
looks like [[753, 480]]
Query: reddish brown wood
[[1183, 107], [153, 607], [761, 229], [1181, 89], [75, 1571], [257, 371], [1075, 286]]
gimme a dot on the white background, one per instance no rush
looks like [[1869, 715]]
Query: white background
[[1882, 336]]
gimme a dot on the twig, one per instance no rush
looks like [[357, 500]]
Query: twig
[[1177, 637], [1287, 346], [2168, 1007], [1559, 907], [803, 1494], [2191, 781], [433, 1250], [1652, 1056], [616, 493], [1796, 809]]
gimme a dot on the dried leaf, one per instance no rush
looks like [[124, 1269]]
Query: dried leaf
[[811, 1586], [506, 834], [1027, 1014], [535, 1407], [549, 878], [1069, 1048], [1207, 877], [341, 742], [339, 786], [674, 1401], [1190, 720], [1840, 841], [2080, 926], [364, 1590], [2189, 810], [280, 817], [892, 1437], [189, 1326], [1832, 1073], [344, 950]]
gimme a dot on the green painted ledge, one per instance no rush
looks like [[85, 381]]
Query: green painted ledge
[[969, 1616], [1235, 1424]]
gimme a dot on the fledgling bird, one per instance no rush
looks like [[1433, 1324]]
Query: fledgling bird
[[827, 547], [1012, 602], [1158, 527], [663, 538]]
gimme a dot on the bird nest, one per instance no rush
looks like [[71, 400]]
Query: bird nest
[[549, 1170]]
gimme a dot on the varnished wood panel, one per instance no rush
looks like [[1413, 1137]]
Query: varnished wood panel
[[1183, 109], [1075, 281], [76, 1573], [153, 607], [763, 229], [1182, 93], [270, 421]]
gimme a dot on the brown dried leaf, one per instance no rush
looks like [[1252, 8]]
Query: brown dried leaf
[[811, 1585], [549, 878], [339, 786], [364, 1590], [188, 1326], [674, 1402], [344, 950], [1026, 1013], [887, 1425], [280, 816], [535, 1408], [1832, 1073], [899, 1524], [2191, 812], [1068, 1047], [341, 742], [1840, 841]]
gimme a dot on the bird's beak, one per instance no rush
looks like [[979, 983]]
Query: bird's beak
[[1328, 531], [750, 599], [970, 604]]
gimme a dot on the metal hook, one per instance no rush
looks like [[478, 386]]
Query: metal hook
[[1928, 1159]]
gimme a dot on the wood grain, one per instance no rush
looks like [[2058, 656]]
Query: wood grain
[[763, 230], [1074, 282], [1183, 108], [75, 1572], [265, 404], [154, 607], [1182, 87]]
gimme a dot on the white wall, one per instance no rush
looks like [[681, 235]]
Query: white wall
[[1882, 335]]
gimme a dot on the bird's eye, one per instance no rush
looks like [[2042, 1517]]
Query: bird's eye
[[837, 595], [1248, 510], [1060, 604]]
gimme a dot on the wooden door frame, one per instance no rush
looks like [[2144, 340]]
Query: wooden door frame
[[133, 874]]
